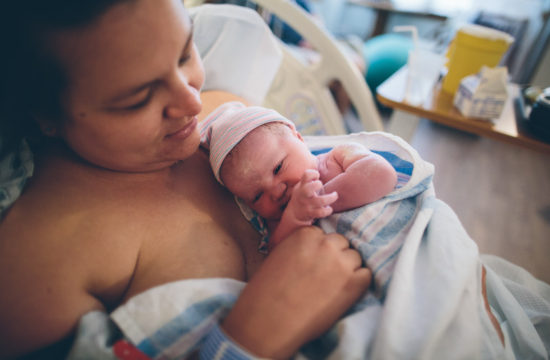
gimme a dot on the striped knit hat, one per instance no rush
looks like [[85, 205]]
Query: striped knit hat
[[222, 130]]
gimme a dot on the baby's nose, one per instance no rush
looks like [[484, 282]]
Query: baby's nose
[[279, 190]]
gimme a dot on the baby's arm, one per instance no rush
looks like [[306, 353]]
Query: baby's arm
[[307, 203], [364, 176]]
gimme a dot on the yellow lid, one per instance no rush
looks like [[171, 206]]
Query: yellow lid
[[483, 38]]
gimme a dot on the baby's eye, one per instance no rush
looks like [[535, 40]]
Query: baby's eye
[[257, 197], [278, 168]]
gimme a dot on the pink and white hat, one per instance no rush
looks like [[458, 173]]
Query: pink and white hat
[[222, 130]]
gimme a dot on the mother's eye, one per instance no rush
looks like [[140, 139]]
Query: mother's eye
[[142, 102], [184, 59]]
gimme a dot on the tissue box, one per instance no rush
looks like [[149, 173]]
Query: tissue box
[[484, 94]]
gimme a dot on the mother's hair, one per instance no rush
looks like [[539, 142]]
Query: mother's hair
[[31, 80]]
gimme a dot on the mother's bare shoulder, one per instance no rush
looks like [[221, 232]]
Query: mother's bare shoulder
[[46, 280]]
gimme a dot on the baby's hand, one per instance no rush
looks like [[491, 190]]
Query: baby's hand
[[308, 202]]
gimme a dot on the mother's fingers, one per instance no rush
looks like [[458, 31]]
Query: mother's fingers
[[339, 241], [351, 255], [362, 279], [278, 312], [354, 258]]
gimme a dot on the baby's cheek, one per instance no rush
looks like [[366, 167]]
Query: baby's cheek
[[260, 208], [268, 211]]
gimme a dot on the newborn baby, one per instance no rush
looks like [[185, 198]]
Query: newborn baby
[[262, 159]]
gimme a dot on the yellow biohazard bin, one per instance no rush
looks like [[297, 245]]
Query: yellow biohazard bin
[[473, 47]]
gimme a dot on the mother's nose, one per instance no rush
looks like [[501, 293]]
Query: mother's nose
[[184, 98]]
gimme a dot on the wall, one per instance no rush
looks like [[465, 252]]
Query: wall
[[341, 18], [542, 72]]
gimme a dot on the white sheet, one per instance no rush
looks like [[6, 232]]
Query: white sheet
[[433, 308]]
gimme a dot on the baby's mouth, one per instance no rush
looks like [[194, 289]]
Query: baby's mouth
[[285, 199]]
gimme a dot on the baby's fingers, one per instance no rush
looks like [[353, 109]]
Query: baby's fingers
[[320, 205], [310, 175], [312, 188], [321, 212], [327, 199]]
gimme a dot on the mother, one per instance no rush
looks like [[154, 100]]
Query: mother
[[122, 200]]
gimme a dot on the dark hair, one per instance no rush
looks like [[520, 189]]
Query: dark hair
[[31, 79]]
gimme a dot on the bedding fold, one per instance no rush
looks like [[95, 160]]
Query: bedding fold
[[426, 302]]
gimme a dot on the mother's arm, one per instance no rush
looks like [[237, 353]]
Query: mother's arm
[[300, 290]]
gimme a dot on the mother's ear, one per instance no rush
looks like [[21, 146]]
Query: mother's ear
[[47, 127]]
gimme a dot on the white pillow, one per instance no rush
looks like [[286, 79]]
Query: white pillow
[[239, 52]]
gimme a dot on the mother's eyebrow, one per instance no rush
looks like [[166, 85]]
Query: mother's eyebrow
[[189, 40], [139, 88], [133, 91]]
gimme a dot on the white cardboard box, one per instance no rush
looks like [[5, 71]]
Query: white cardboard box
[[484, 94]]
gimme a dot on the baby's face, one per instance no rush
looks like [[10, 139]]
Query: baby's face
[[264, 167]]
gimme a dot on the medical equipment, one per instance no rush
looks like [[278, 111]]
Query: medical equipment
[[300, 91]]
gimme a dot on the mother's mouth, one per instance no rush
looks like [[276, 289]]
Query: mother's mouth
[[185, 131]]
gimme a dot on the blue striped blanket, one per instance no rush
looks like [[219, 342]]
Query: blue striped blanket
[[376, 230], [431, 309]]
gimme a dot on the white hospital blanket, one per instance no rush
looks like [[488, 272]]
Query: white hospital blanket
[[433, 308]]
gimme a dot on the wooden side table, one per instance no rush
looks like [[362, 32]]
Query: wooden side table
[[438, 107]]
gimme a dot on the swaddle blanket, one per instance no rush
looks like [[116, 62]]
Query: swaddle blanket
[[15, 169], [376, 230], [432, 306]]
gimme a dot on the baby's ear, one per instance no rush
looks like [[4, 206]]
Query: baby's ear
[[297, 134]]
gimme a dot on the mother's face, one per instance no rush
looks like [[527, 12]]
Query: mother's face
[[133, 91]]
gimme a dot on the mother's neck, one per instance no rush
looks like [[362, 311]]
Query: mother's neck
[[58, 160]]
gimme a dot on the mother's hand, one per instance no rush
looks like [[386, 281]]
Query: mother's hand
[[300, 290]]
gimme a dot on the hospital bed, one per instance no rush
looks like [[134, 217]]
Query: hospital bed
[[433, 306], [299, 90], [288, 87]]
